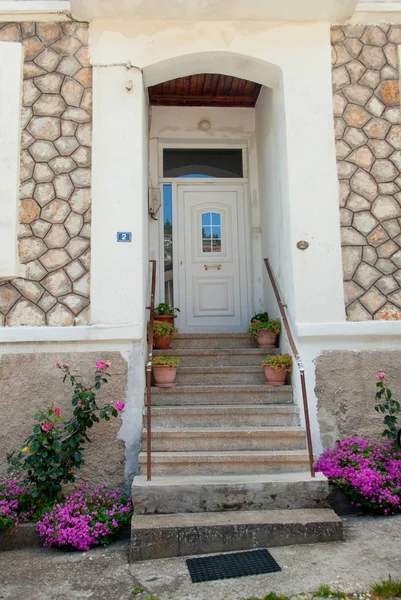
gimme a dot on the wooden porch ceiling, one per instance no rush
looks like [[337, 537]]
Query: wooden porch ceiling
[[205, 89]]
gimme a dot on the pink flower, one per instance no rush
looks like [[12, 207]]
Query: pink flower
[[381, 376], [58, 365], [119, 406], [47, 426], [57, 411], [101, 365]]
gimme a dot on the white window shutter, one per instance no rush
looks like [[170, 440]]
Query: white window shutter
[[11, 65]]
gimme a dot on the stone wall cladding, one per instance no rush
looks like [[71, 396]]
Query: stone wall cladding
[[55, 193], [368, 144]]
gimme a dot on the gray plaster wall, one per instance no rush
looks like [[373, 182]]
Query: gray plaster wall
[[346, 387], [31, 382]]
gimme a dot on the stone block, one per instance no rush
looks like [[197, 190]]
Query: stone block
[[377, 236], [56, 211], [372, 300], [386, 207], [55, 259], [366, 275], [49, 105], [44, 193], [377, 128], [42, 173], [74, 302], [25, 313], [31, 248], [356, 116], [29, 211], [8, 296], [57, 283], [372, 57], [364, 222], [364, 184], [30, 289], [355, 137]]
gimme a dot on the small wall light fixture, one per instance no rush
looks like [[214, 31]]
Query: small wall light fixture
[[204, 125]]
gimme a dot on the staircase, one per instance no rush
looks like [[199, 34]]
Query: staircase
[[230, 468]]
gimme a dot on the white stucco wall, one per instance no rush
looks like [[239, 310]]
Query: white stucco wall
[[11, 59], [119, 271], [266, 53], [274, 199]]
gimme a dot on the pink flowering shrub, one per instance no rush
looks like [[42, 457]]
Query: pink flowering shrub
[[368, 472], [16, 505], [85, 519], [50, 456], [387, 406]]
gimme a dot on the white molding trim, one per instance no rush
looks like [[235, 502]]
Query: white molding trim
[[349, 329], [35, 10], [376, 13], [127, 332], [374, 7]]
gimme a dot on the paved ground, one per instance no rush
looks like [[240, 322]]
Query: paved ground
[[371, 551]]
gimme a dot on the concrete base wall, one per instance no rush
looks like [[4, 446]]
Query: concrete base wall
[[31, 382], [346, 387]]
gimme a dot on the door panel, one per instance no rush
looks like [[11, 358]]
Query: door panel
[[211, 242]]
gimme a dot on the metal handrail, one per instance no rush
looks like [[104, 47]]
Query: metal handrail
[[149, 373], [299, 364]]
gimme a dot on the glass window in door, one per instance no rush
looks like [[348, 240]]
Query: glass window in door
[[211, 232]]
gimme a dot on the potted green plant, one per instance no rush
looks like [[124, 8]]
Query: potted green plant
[[265, 332], [264, 317], [276, 368], [165, 312], [164, 370], [162, 335]]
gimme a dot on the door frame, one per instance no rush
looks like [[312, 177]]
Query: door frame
[[175, 182]]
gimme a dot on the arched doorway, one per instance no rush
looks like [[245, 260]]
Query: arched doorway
[[202, 132]]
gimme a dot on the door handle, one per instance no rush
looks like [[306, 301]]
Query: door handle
[[211, 266]]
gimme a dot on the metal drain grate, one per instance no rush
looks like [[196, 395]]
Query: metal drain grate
[[227, 566]]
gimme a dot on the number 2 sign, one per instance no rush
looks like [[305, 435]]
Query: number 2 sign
[[124, 236]]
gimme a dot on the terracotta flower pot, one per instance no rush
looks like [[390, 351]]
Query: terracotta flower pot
[[274, 376], [164, 375], [162, 342], [266, 339], [165, 318]]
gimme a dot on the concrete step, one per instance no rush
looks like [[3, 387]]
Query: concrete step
[[163, 536], [225, 463], [212, 340], [252, 415], [221, 394], [220, 375], [218, 357], [166, 495], [217, 438]]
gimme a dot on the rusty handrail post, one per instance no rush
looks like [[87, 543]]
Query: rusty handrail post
[[299, 364], [151, 307]]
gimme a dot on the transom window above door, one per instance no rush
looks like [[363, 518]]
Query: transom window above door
[[216, 162], [211, 232]]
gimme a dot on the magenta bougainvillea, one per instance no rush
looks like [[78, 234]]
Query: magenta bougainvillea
[[86, 518], [368, 472], [16, 505]]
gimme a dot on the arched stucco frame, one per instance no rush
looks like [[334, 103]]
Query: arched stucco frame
[[224, 63]]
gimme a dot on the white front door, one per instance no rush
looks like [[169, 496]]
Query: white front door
[[211, 262]]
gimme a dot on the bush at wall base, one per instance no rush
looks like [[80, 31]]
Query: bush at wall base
[[369, 473], [86, 518]]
